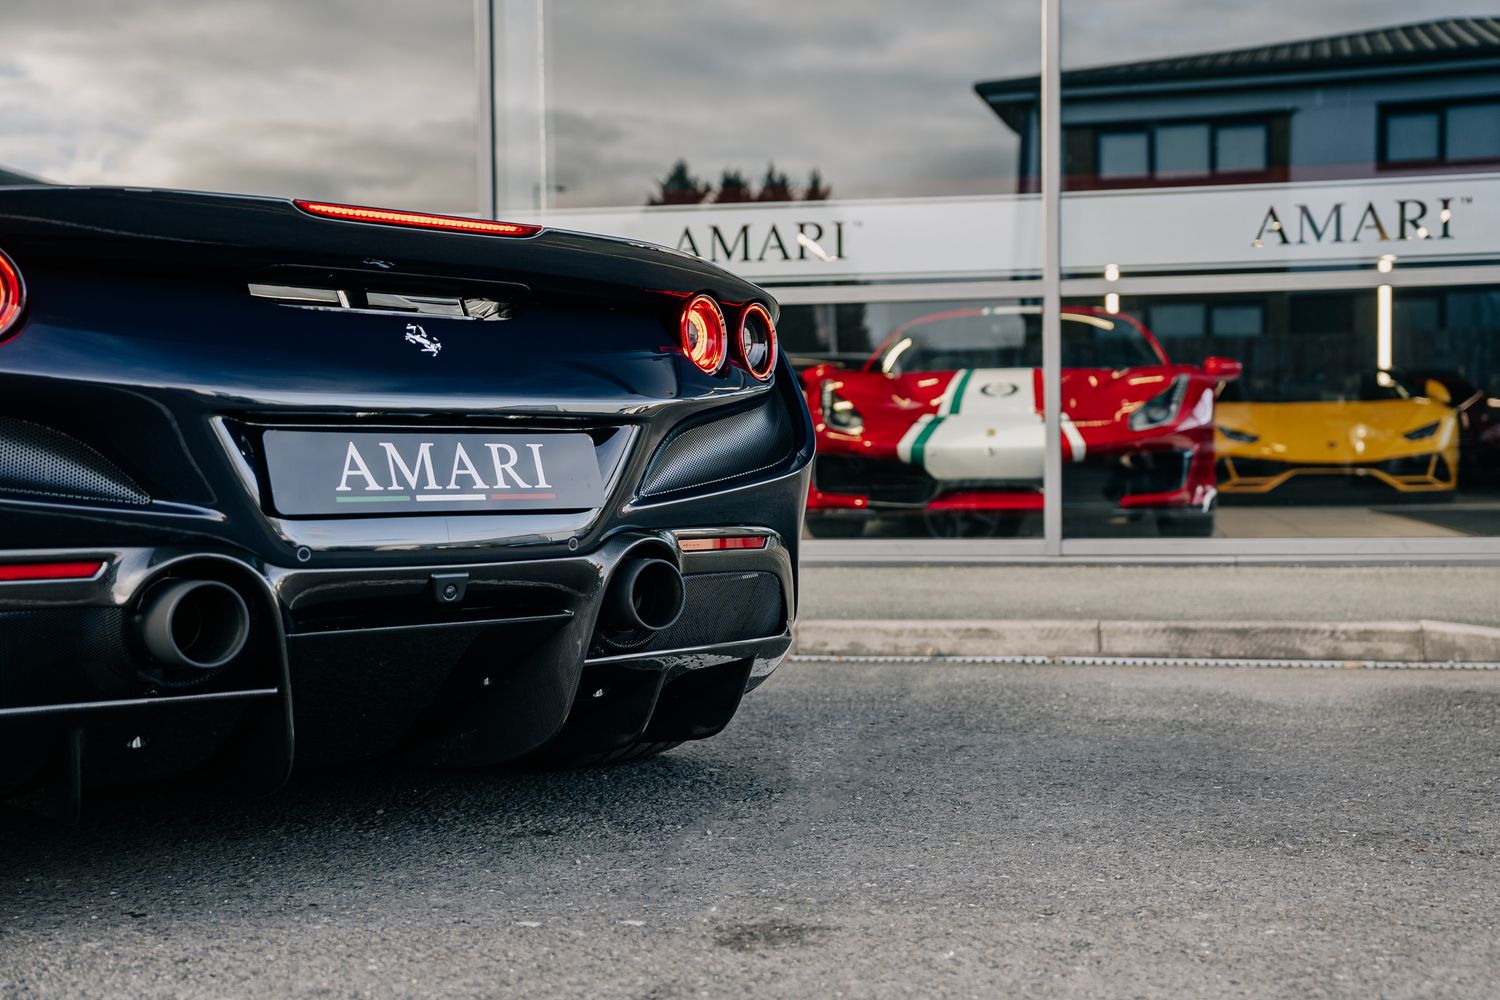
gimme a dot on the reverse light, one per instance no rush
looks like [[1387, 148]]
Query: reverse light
[[1422, 433], [757, 341], [416, 220], [705, 339], [1162, 408], [838, 412], [12, 298], [1240, 436], [31, 572]]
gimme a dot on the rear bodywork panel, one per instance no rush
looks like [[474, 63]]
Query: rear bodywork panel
[[165, 346]]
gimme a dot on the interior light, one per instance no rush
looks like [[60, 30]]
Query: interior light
[[894, 355], [1112, 272], [1384, 352], [1112, 303], [1090, 319]]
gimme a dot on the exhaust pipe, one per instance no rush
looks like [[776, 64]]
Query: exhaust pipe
[[644, 595], [195, 624]]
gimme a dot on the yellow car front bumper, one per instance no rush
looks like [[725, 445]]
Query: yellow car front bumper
[[1434, 473]]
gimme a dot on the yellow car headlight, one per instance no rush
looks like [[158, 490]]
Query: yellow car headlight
[[1422, 433]]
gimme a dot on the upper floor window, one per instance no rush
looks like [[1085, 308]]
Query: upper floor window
[[1426, 134], [1168, 152]]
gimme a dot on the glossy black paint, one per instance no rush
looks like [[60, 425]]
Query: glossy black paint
[[141, 342]]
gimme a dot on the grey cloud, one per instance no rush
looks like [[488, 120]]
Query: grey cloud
[[373, 100], [356, 100]]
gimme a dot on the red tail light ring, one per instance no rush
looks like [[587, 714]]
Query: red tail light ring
[[12, 297], [417, 220], [757, 341], [705, 339]]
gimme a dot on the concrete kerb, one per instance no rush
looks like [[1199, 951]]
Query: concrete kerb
[[1422, 641]]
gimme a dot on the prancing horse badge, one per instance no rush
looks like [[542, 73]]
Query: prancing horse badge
[[416, 335]]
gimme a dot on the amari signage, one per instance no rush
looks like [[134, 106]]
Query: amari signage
[[1160, 229], [1409, 216]]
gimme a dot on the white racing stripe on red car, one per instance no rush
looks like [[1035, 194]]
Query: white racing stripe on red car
[[986, 427]]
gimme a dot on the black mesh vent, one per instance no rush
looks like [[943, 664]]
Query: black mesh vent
[[718, 607], [39, 461], [720, 451], [56, 655]]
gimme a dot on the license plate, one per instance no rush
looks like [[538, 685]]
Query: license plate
[[329, 473]]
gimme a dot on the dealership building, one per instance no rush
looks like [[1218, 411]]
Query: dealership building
[[1323, 210]]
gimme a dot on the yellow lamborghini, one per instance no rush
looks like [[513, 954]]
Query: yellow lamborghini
[[1371, 427]]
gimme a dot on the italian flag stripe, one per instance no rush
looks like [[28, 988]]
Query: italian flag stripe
[[919, 446], [956, 397]]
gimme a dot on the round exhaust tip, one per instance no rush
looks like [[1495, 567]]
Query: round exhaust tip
[[195, 624], [645, 594]]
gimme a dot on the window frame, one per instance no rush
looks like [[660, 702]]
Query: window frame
[[1153, 176], [1440, 109]]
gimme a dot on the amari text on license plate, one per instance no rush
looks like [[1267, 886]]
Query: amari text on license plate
[[336, 474]]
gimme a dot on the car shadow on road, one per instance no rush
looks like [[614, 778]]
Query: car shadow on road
[[350, 810]]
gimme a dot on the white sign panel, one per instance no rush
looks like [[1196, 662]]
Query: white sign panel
[[1452, 217], [1274, 225], [837, 240]]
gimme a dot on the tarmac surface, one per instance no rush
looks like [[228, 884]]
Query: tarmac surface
[[871, 830]]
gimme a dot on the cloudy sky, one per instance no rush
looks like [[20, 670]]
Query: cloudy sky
[[373, 100]]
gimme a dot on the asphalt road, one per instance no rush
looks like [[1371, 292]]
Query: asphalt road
[[859, 831]]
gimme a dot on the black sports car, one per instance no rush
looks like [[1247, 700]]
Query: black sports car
[[388, 481]]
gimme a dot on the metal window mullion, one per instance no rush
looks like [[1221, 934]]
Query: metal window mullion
[[484, 114], [1051, 134]]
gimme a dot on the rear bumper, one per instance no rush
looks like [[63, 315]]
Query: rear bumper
[[354, 662]]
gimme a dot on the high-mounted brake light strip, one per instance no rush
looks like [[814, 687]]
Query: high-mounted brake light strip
[[416, 220], [32, 572]]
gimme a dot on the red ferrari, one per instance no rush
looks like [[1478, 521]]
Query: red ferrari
[[944, 424]]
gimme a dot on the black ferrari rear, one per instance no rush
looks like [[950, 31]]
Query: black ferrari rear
[[279, 487]]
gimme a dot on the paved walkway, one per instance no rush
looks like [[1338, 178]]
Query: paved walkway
[[1469, 594]]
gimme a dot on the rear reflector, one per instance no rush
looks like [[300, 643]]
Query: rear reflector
[[712, 544], [12, 296], [417, 220], [18, 572]]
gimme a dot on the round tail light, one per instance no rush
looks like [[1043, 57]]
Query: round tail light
[[12, 297], [757, 341], [705, 340]]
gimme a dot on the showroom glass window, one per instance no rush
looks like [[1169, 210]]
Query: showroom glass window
[[1296, 220], [840, 155]]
